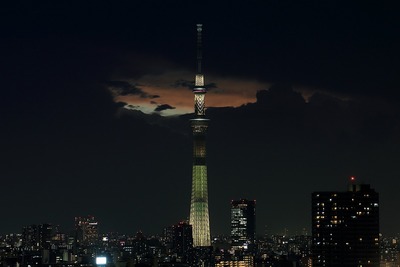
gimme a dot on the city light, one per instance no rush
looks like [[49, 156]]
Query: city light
[[101, 260]]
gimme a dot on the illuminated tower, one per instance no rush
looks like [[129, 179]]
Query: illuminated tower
[[199, 218]]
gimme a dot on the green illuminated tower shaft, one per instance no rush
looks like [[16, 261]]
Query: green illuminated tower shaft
[[199, 218]]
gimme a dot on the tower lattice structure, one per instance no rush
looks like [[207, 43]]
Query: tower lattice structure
[[199, 216]]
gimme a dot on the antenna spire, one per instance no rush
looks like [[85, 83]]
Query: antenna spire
[[199, 52]]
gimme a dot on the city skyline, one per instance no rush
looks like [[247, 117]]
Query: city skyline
[[300, 97], [356, 234]]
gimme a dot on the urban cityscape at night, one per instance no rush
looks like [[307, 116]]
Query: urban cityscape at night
[[159, 133], [339, 223]]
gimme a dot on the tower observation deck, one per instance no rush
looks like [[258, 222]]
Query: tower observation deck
[[199, 216]]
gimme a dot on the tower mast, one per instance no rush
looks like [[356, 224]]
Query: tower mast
[[199, 216]]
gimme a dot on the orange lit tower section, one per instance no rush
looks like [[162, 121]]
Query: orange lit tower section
[[199, 216]]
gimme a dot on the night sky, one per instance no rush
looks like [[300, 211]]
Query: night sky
[[95, 106]]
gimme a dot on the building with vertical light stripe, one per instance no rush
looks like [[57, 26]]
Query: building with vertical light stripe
[[243, 224], [199, 216]]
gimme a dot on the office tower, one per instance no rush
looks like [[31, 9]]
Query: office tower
[[243, 223], [86, 230], [179, 239], [345, 227], [45, 235], [30, 237], [35, 237], [139, 245], [199, 218]]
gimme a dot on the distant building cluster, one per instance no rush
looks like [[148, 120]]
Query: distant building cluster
[[345, 232], [46, 245]]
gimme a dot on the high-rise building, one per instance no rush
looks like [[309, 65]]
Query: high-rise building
[[243, 223], [345, 227], [179, 240], [86, 231], [35, 237], [199, 216], [30, 237], [45, 235]]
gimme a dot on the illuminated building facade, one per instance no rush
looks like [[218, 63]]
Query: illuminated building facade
[[345, 227], [199, 216], [86, 230], [243, 223], [244, 261]]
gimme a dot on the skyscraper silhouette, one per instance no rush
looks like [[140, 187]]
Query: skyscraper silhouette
[[199, 217], [345, 227], [179, 241]]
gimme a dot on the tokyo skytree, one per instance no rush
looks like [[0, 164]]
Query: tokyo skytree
[[199, 217]]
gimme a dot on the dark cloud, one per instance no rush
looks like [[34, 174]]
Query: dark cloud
[[183, 83], [61, 124], [210, 86], [190, 84], [130, 106], [333, 47], [163, 107], [124, 88], [282, 147], [279, 96]]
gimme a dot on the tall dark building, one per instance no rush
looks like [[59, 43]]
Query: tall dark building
[[179, 240], [345, 227], [199, 216], [86, 230], [243, 223], [35, 237]]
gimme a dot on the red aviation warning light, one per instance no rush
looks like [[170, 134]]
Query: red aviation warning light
[[352, 184]]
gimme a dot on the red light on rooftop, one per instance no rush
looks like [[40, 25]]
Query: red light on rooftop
[[352, 178]]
